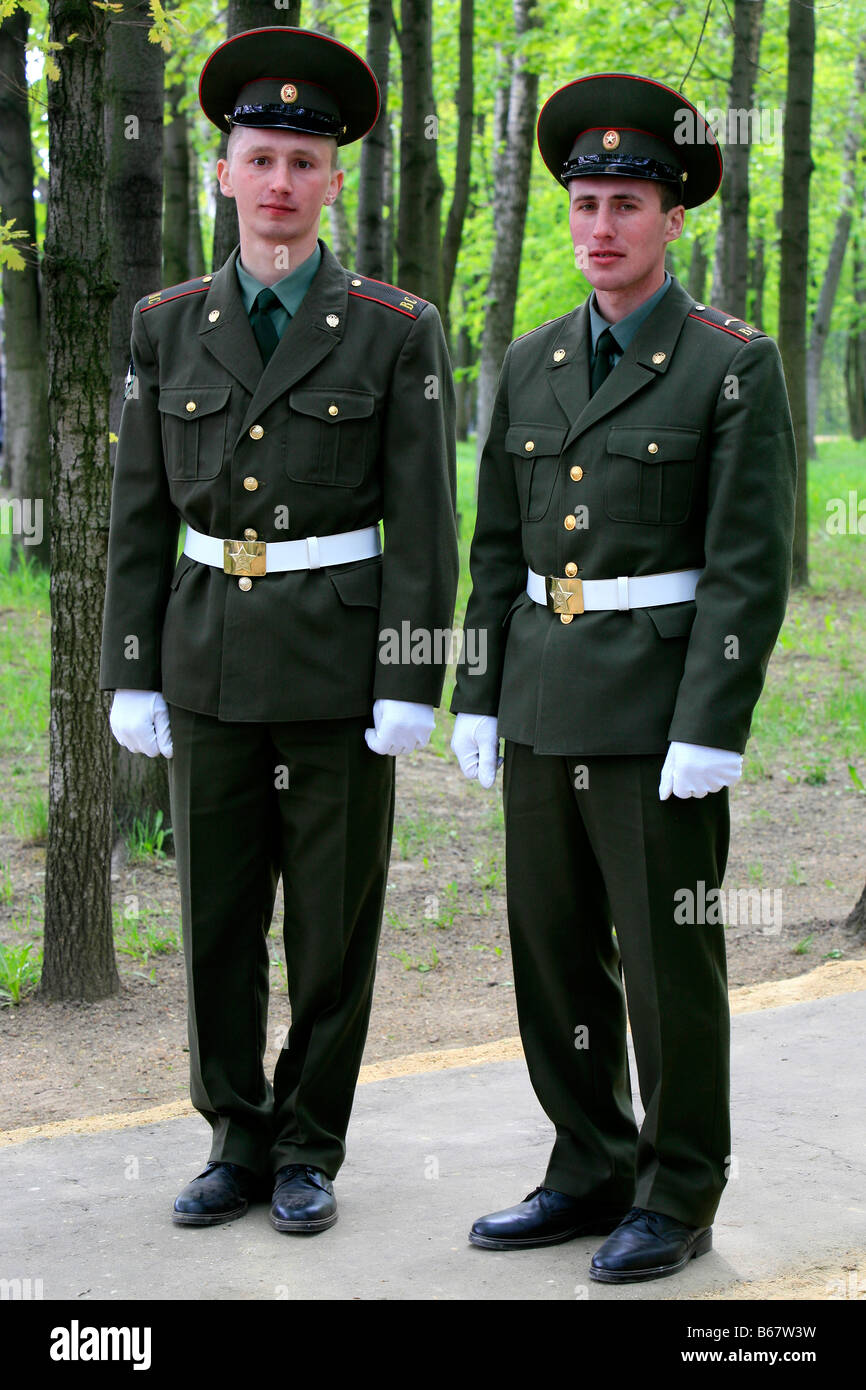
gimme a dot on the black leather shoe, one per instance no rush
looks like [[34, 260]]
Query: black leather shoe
[[221, 1193], [304, 1201], [648, 1245], [544, 1217]]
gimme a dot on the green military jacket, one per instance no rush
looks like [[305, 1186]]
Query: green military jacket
[[683, 459], [349, 423]]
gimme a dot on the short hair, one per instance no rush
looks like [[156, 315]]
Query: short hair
[[335, 150], [670, 196]]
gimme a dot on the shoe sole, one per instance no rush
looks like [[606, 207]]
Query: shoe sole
[[592, 1228], [195, 1218], [639, 1276], [302, 1228]]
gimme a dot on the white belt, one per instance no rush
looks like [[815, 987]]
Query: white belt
[[312, 553], [642, 591]]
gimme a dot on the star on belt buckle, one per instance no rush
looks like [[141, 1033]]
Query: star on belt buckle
[[244, 557], [564, 596]]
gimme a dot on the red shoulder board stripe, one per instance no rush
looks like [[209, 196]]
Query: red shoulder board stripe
[[391, 295], [717, 318], [150, 301]]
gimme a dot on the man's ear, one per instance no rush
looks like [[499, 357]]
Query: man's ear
[[674, 222], [334, 187], [224, 178]]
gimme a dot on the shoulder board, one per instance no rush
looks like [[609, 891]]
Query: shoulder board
[[538, 327], [376, 290], [196, 286], [717, 318]]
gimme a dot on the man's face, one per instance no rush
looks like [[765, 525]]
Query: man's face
[[279, 179], [619, 230]]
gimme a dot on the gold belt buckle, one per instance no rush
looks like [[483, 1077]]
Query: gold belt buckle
[[564, 596], [244, 557]]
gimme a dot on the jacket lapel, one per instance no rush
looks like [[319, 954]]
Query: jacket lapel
[[229, 337], [309, 336], [647, 356]]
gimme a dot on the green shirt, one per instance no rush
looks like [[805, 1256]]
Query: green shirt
[[289, 291]]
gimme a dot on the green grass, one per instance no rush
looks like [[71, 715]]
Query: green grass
[[146, 837], [145, 935], [19, 972]]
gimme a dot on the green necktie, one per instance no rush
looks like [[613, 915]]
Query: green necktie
[[267, 336], [601, 363]]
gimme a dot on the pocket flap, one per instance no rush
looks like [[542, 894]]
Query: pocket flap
[[674, 619], [332, 404], [189, 402], [651, 445], [361, 586], [532, 440]]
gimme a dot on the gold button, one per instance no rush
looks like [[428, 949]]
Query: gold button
[[571, 569], [659, 357], [245, 584], [190, 405], [332, 320], [576, 473], [256, 432], [205, 279], [357, 282], [652, 448], [214, 315], [529, 445], [333, 409], [559, 354], [569, 522], [250, 534], [251, 484], [566, 617]]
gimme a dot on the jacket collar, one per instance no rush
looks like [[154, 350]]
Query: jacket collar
[[647, 356], [314, 331]]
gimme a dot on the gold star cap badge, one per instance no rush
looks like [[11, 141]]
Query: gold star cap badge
[[288, 92], [610, 139]]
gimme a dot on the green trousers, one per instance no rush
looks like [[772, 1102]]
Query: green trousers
[[249, 802], [590, 848]]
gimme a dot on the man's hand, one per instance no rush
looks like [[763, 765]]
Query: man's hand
[[401, 727], [691, 769], [139, 722], [475, 744]]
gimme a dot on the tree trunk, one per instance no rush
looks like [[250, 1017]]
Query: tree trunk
[[794, 272], [730, 280], [195, 246], [512, 200], [851, 142], [463, 160], [855, 348], [25, 432], [79, 952], [370, 256], [757, 277], [419, 264], [856, 920], [698, 272], [176, 167], [462, 386], [134, 145]]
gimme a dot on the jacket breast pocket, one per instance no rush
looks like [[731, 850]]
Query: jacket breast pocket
[[536, 450], [194, 422], [332, 435], [650, 473]]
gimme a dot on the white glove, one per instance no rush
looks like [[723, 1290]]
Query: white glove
[[475, 744], [139, 722], [691, 769], [401, 726]]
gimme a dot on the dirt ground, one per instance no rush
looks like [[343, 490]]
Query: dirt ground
[[444, 973]]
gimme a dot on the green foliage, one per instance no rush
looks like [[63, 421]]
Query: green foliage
[[19, 974], [147, 836]]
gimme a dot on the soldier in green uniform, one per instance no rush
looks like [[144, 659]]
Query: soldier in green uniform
[[281, 409], [630, 567]]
